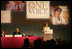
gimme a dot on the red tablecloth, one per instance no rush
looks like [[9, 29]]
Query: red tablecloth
[[15, 42]]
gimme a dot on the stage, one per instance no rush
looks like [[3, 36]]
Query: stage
[[32, 18]]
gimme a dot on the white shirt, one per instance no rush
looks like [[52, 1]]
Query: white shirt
[[56, 21], [46, 29]]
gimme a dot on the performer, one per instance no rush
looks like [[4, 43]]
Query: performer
[[48, 33], [17, 32], [2, 33], [46, 28]]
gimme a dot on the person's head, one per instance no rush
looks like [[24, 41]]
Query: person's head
[[17, 29], [58, 40], [53, 42], [46, 24], [26, 43], [38, 43], [58, 11], [2, 31]]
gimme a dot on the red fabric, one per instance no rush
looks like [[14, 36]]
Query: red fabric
[[15, 42]]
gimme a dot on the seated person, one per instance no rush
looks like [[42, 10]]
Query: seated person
[[17, 32], [2, 33]]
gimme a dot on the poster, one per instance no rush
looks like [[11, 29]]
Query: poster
[[5, 16], [38, 9]]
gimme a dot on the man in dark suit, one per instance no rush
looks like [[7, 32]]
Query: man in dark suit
[[17, 32]]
